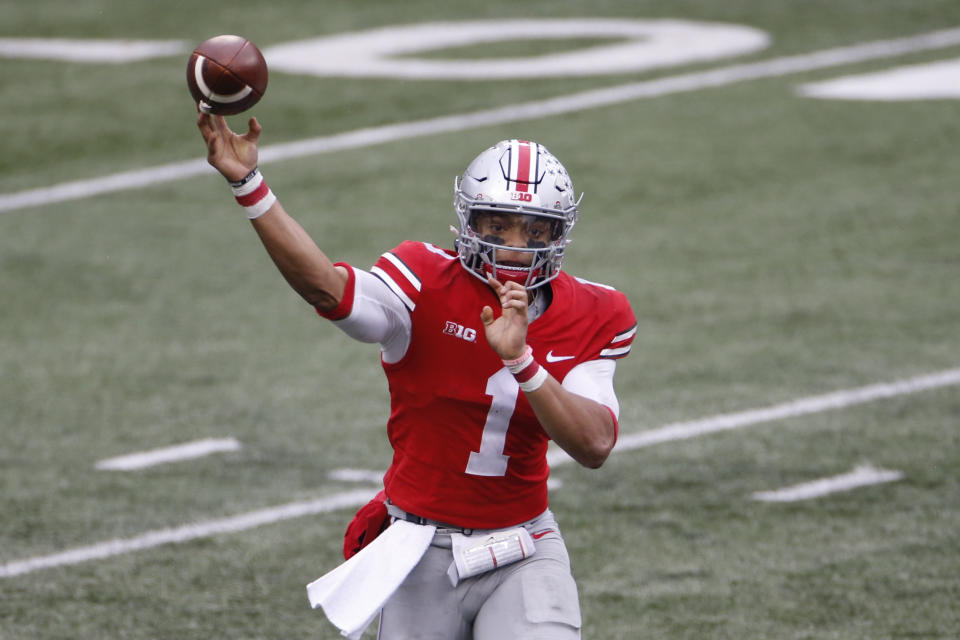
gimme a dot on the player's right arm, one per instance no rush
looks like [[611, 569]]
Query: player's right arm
[[305, 267]]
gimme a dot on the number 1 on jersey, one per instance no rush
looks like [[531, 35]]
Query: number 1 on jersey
[[490, 460]]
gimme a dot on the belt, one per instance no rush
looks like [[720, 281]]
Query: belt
[[442, 527]]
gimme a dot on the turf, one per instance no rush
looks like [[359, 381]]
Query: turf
[[773, 247]]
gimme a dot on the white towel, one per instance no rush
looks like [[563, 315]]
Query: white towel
[[352, 594]]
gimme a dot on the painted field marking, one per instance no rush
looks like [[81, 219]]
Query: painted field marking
[[176, 453], [793, 409], [356, 475], [376, 477], [862, 476], [678, 431], [185, 533], [99, 51], [938, 80], [634, 45], [534, 110]]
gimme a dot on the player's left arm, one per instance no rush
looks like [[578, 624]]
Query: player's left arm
[[581, 426]]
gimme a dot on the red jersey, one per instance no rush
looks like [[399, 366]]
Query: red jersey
[[468, 449]]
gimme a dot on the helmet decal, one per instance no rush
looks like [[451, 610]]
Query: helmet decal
[[522, 169]]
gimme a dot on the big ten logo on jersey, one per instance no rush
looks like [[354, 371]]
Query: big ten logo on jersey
[[460, 331]]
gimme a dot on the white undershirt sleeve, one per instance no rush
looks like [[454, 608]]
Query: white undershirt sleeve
[[594, 380], [378, 315]]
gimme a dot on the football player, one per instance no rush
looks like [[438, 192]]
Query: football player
[[491, 351]]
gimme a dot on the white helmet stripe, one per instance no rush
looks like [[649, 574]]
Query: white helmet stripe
[[520, 161]]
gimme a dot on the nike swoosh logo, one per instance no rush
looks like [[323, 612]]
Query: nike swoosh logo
[[540, 534], [553, 358]]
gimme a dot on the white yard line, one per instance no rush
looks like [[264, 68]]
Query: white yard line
[[500, 115], [188, 532], [356, 475], [176, 453], [376, 477], [863, 476], [792, 409], [678, 431]]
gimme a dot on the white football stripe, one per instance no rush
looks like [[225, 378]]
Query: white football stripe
[[175, 453], [209, 93], [535, 110], [860, 477]]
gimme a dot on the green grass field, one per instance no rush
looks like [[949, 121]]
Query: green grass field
[[774, 247]]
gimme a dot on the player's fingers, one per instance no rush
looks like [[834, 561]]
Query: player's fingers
[[514, 300], [203, 121], [510, 285], [514, 289], [486, 316], [214, 147], [253, 131], [220, 124], [513, 293], [517, 306]]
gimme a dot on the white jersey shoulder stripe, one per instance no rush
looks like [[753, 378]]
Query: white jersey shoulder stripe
[[595, 284], [625, 335], [390, 282], [403, 269], [437, 250], [615, 353]]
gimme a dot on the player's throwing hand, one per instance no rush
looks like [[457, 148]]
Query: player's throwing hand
[[231, 154]]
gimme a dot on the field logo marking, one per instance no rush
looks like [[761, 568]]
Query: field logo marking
[[387, 52], [929, 81], [534, 110], [679, 431], [176, 453], [862, 476]]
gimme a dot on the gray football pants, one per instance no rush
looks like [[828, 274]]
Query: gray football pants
[[533, 599]]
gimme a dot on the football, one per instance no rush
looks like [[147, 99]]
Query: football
[[226, 75]]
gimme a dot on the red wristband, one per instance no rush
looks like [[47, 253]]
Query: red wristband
[[253, 194]]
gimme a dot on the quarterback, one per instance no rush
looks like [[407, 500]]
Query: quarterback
[[490, 351]]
